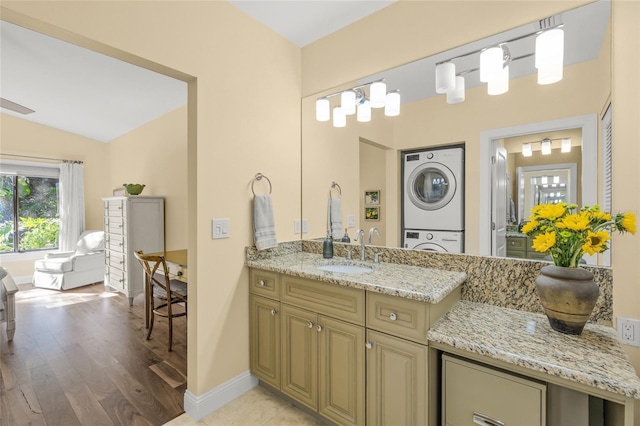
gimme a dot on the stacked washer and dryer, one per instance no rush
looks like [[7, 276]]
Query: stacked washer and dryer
[[433, 199]]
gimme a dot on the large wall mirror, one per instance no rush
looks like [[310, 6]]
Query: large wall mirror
[[367, 156]]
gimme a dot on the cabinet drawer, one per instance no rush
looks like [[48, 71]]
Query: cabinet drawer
[[177, 272], [339, 302], [400, 317], [471, 391], [114, 225], [115, 278], [115, 208], [116, 260], [264, 283], [518, 243]]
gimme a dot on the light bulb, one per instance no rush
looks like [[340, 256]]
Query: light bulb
[[378, 94], [549, 58], [392, 106], [445, 77], [348, 102], [527, 151], [339, 118], [364, 111], [491, 62], [499, 83], [323, 109], [456, 95]]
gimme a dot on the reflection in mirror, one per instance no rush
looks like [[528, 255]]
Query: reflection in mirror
[[360, 153]]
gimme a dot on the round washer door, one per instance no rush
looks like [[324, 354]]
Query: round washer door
[[431, 186], [430, 247]]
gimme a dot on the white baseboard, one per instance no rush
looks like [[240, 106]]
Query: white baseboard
[[198, 407]]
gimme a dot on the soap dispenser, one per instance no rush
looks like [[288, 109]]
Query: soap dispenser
[[327, 246], [346, 238]]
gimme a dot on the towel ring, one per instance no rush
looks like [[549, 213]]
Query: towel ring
[[334, 185], [259, 176]]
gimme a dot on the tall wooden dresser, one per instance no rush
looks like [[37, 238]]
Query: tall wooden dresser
[[131, 224]]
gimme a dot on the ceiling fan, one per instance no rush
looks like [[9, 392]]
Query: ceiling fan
[[12, 106]]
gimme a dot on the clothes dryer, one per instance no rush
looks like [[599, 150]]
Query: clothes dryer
[[438, 241], [433, 189]]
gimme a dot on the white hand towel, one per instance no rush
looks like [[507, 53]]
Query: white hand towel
[[263, 224], [335, 215]]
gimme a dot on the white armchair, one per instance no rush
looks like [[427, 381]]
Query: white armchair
[[8, 290], [71, 269]]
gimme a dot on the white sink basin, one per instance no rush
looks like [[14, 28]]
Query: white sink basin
[[346, 269]]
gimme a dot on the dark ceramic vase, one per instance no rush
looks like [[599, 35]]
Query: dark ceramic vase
[[568, 296]]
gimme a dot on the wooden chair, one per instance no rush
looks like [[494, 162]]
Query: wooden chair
[[159, 286]]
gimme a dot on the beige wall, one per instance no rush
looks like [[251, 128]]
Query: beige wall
[[244, 118], [156, 155], [22, 137]]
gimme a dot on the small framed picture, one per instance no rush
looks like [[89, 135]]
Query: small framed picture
[[372, 197], [372, 213], [119, 192]]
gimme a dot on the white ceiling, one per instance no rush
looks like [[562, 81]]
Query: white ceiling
[[96, 96]]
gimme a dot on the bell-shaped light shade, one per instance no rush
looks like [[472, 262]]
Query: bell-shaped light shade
[[550, 56], [499, 83], [378, 94], [527, 151], [566, 145], [545, 145], [456, 95], [339, 118], [491, 62], [364, 111], [348, 102], [392, 106], [323, 109], [445, 77]]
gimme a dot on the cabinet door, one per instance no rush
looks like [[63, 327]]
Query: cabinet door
[[396, 381], [300, 355], [264, 335], [342, 371]]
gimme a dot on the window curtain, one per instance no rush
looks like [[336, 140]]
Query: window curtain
[[71, 204]]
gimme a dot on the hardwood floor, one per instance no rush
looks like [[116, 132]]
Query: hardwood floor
[[80, 357]]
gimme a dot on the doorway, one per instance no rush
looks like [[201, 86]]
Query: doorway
[[588, 125]]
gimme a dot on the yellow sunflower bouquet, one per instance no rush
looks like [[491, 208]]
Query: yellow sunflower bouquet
[[565, 232]]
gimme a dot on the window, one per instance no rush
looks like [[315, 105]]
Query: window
[[29, 218]]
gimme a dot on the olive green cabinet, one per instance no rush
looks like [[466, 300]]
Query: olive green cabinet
[[396, 381], [264, 334]]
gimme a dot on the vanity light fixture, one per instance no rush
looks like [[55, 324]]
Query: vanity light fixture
[[494, 61], [355, 101], [545, 146], [527, 151], [566, 145]]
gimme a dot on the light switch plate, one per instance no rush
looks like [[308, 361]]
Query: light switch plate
[[351, 221], [305, 226], [220, 228]]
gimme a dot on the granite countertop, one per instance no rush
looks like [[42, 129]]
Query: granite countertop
[[595, 358], [411, 282]]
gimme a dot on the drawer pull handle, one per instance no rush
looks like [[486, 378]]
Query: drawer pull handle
[[263, 283], [319, 328], [484, 420], [310, 324], [179, 273], [393, 316], [274, 312], [368, 345]]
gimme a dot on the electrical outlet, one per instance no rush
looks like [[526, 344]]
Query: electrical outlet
[[629, 331], [305, 226], [297, 227]]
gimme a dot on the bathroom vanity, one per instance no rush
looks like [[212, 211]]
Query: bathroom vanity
[[393, 343]]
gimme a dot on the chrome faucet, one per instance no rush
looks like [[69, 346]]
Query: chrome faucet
[[372, 231], [360, 235]]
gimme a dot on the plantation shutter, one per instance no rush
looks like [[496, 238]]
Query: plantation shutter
[[607, 142]]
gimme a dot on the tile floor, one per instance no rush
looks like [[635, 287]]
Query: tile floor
[[256, 407]]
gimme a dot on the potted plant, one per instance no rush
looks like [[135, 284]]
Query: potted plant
[[565, 233]]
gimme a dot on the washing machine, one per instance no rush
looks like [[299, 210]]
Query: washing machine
[[433, 189], [438, 241]]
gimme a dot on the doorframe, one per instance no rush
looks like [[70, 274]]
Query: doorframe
[[589, 126]]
